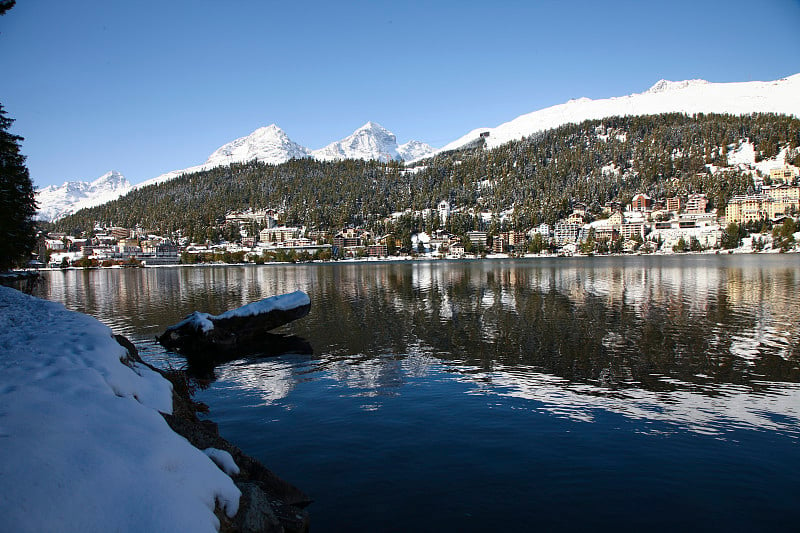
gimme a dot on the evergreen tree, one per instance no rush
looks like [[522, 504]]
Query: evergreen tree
[[17, 200]]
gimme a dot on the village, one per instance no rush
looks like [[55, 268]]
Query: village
[[645, 225]]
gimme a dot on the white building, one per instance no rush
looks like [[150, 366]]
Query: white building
[[444, 211]]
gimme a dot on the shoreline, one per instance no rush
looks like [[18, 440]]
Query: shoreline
[[268, 503], [428, 259], [96, 439]]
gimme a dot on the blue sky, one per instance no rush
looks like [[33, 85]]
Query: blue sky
[[146, 87]]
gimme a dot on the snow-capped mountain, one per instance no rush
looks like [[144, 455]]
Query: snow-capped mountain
[[414, 150], [689, 96], [269, 145], [371, 141], [59, 201]]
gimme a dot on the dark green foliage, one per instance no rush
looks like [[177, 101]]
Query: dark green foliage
[[783, 235], [5, 5], [539, 177], [733, 235], [17, 200]]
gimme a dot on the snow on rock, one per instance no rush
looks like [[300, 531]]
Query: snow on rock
[[690, 96], [84, 446], [222, 459], [59, 201], [283, 302]]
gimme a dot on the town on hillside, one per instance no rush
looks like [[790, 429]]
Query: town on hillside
[[763, 220]]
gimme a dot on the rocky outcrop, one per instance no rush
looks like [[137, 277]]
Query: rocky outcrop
[[22, 280], [206, 337], [268, 503]]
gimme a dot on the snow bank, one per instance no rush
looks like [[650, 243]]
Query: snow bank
[[84, 446]]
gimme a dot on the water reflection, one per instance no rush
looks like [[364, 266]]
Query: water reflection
[[706, 343]]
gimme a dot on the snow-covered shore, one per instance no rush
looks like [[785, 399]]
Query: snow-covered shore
[[85, 446]]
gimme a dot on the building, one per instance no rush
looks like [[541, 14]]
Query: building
[[120, 233], [696, 204], [55, 245], [611, 207], [789, 194], [674, 204], [576, 217], [642, 202], [351, 238], [630, 229], [477, 238], [444, 211], [565, 232], [377, 250], [749, 208], [262, 218], [542, 229], [515, 238], [279, 234], [785, 174], [499, 244]]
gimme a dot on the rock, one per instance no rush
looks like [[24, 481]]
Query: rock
[[256, 514], [268, 504], [207, 337]]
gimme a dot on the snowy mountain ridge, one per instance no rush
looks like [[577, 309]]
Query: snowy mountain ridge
[[59, 201], [271, 145], [688, 96]]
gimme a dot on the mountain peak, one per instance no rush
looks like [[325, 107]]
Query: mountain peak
[[372, 126], [58, 201], [370, 141], [662, 86], [268, 144]]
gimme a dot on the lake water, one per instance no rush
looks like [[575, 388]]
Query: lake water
[[641, 393]]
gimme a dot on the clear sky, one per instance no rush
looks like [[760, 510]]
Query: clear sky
[[145, 87]]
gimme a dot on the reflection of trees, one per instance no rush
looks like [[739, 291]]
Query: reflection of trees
[[657, 323], [503, 314]]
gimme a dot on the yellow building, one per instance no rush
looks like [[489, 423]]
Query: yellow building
[[761, 206], [783, 174]]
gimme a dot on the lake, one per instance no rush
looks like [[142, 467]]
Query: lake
[[623, 393]]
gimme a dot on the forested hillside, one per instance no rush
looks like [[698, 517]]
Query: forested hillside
[[534, 180]]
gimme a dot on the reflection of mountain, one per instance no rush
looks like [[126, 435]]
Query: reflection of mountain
[[707, 408], [270, 379]]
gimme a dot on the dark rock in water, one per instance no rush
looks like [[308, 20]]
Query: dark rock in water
[[201, 366], [235, 331]]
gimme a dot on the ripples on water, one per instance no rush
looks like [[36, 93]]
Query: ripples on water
[[442, 393]]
